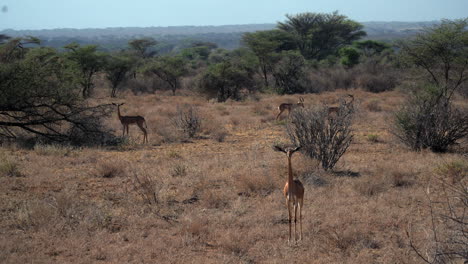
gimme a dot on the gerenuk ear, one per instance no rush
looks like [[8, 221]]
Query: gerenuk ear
[[278, 148], [296, 149]]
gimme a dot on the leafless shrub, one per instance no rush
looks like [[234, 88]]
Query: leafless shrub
[[322, 136], [441, 236], [147, 188], [428, 120], [187, 120]]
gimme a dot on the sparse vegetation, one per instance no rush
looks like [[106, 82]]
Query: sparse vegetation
[[189, 198]]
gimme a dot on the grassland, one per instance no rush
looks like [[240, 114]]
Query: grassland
[[217, 198]]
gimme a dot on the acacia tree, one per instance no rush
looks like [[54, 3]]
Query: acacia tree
[[87, 61], [440, 56], [266, 45], [117, 69], [39, 96], [318, 35], [441, 52], [143, 47], [169, 69], [289, 73], [224, 80]]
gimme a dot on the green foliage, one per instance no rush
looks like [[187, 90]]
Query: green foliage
[[87, 62], [441, 52], [169, 69], [428, 119], [228, 73], [39, 95], [143, 47], [371, 48], [289, 73], [319, 35], [349, 56], [117, 68], [265, 45], [224, 80]]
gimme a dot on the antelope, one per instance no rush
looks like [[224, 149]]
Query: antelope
[[129, 120], [294, 193], [289, 107]]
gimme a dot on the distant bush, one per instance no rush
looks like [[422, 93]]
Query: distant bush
[[187, 120]]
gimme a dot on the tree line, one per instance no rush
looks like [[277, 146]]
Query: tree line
[[43, 88]]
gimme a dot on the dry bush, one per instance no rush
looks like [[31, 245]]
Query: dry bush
[[347, 238], [34, 214], [52, 149], [453, 171], [373, 138], [371, 186], [187, 120], [110, 169], [166, 132], [147, 187], [401, 178], [255, 183], [179, 170], [9, 168], [429, 120], [64, 212], [322, 137], [373, 105], [215, 199], [437, 233], [235, 242], [219, 134]]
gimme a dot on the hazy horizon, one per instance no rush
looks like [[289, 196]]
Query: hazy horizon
[[85, 14]]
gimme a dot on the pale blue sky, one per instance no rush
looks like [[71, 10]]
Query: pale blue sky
[[48, 14]]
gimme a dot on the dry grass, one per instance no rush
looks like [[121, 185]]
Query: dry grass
[[218, 199]]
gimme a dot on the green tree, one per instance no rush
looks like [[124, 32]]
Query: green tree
[[349, 56], [428, 119], [39, 96], [289, 73], [224, 80], [441, 52], [371, 48], [88, 61], [143, 47], [169, 69], [319, 35], [266, 45], [117, 68]]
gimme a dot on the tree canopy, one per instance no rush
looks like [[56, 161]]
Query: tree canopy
[[39, 95], [318, 35]]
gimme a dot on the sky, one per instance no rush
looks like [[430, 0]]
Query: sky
[[50, 14]]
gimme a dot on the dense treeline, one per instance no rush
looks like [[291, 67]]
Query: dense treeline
[[226, 37], [306, 53]]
